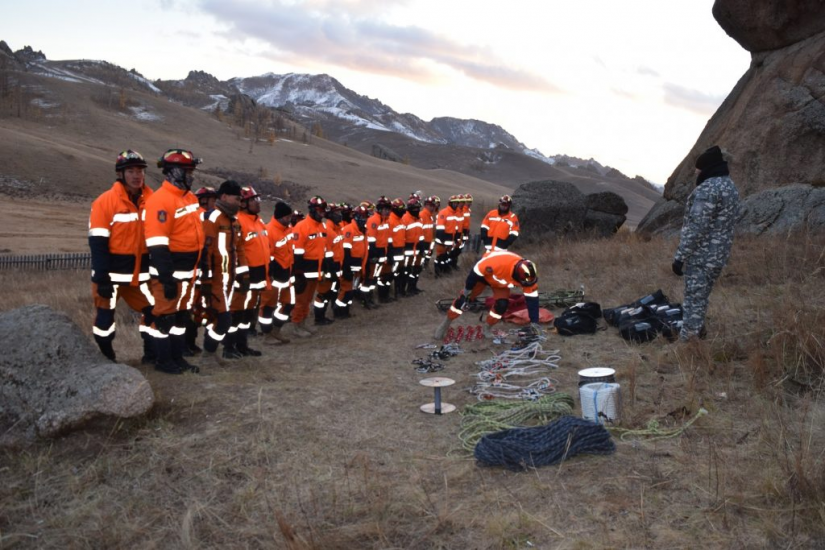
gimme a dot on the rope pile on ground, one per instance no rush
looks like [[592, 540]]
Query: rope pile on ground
[[653, 432], [520, 448], [484, 418], [495, 376]]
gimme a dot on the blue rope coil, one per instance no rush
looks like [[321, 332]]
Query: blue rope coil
[[521, 448]]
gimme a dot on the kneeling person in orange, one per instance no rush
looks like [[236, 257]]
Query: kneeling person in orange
[[222, 264], [174, 237], [500, 271], [120, 261]]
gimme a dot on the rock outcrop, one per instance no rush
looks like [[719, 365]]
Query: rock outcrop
[[559, 208], [773, 122], [778, 211], [53, 378]]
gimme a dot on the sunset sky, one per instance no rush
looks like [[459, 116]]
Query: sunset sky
[[631, 84]]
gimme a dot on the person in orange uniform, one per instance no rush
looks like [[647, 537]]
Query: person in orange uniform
[[174, 237], [120, 261], [355, 261], [414, 246], [310, 246], [222, 263], [333, 258], [277, 302], [206, 199], [394, 270], [500, 271], [500, 227], [378, 239], [448, 227], [428, 214], [244, 305]]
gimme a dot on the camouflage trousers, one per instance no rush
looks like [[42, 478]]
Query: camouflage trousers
[[699, 282]]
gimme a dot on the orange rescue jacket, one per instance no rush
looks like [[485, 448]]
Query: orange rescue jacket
[[117, 219]]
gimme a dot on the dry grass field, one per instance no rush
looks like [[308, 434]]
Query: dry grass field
[[320, 444]]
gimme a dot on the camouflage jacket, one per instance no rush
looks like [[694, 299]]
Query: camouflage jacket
[[711, 212]]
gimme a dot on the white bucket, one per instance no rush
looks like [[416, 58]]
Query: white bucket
[[601, 402]]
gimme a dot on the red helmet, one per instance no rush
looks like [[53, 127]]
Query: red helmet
[[468, 198], [128, 158], [454, 198], [206, 192], [383, 202], [525, 273], [248, 192], [178, 157], [317, 203], [414, 203], [397, 204], [506, 200], [360, 211], [435, 200]]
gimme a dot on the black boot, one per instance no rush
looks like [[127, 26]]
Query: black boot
[[321, 316], [164, 362], [191, 347], [368, 301], [242, 344], [178, 349], [106, 348], [229, 349], [150, 355]]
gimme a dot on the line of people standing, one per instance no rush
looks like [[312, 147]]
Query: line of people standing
[[188, 259]]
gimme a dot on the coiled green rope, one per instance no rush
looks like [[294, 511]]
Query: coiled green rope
[[480, 419], [652, 432]]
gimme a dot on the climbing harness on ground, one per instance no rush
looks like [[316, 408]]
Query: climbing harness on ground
[[427, 365], [520, 448], [483, 418], [446, 351], [652, 432], [474, 305], [560, 298]]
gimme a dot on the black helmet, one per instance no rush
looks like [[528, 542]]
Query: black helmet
[[128, 158]]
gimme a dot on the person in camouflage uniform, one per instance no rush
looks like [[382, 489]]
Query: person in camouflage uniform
[[711, 212]]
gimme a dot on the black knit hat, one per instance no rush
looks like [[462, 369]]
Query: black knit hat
[[282, 209], [230, 187], [711, 157]]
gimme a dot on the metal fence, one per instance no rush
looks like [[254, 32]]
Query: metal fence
[[44, 262]]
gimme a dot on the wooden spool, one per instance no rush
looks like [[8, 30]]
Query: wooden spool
[[437, 407]]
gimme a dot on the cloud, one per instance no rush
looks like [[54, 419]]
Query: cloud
[[647, 71], [691, 100], [349, 34]]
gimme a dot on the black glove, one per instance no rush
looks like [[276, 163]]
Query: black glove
[[677, 267], [105, 290], [170, 290], [243, 281]]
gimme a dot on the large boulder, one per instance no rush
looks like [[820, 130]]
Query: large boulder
[[559, 208], [769, 24], [53, 378], [773, 122]]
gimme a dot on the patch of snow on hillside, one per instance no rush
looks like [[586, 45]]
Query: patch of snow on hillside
[[142, 113], [145, 82], [43, 104]]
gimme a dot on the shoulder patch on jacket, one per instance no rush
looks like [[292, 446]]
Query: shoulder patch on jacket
[[162, 216]]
